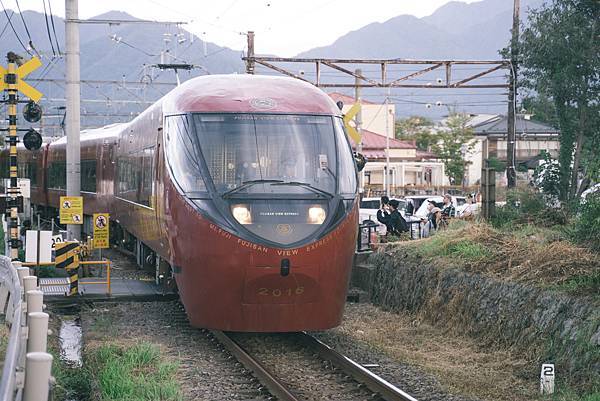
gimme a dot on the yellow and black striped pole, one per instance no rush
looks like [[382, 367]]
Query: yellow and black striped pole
[[12, 82], [13, 191], [67, 257]]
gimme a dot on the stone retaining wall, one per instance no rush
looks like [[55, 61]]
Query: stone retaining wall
[[547, 325]]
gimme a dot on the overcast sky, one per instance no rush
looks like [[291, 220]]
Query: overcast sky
[[283, 27]]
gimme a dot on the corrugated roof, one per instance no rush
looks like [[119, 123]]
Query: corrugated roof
[[499, 125]]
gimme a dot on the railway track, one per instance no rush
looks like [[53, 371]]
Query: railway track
[[297, 366]]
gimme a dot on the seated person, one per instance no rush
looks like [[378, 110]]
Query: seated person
[[393, 220]]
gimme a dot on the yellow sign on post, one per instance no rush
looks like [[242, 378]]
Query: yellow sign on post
[[71, 210], [21, 73], [352, 132], [101, 233]]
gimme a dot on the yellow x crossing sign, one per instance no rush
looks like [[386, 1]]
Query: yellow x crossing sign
[[21, 73], [352, 132]]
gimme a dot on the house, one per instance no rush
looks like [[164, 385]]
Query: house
[[407, 167], [491, 131], [373, 114]]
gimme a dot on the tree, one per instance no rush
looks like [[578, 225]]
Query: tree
[[416, 128], [560, 51], [452, 142]]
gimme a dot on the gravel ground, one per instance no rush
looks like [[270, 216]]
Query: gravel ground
[[123, 265], [307, 376], [420, 385], [206, 372]]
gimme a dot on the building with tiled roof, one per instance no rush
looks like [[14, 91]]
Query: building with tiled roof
[[491, 131]]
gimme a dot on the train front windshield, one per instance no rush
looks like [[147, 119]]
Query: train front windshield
[[264, 148], [278, 173]]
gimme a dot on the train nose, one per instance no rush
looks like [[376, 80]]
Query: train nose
[[284, 222]]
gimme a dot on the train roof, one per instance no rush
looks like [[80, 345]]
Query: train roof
[[106, 132], [248, 94]]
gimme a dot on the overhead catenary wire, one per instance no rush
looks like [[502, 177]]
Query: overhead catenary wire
[[48, 28], [53, 28], [6, 25], [26, 29], [14, 30]]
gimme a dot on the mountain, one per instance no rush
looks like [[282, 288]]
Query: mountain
[[125, 52], [456, 30]]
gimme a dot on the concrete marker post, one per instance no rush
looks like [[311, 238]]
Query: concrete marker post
[[547, 379], [35, 301], [37, 340], [37, 376]]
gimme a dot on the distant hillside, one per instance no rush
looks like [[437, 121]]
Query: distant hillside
[[127, 57], [454, 31]]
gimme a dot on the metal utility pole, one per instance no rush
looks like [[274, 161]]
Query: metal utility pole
[[511, 174], [73, 108], [358, 72]]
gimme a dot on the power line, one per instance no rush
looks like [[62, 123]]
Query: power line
[[53, 28], [14, 30], [26, 28], [48, 28], [6, 25]]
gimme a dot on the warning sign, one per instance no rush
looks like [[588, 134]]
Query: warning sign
[[101, 234], [71, 210]]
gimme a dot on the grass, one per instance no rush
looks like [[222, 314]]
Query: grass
[[134, 373], [528, 254]]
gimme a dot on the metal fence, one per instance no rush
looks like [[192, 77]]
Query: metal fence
[[27, 365]]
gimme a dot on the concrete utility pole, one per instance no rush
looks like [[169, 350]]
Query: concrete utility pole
[[73, 105], [250, 61], [511, 174], [358, 73], [387, 142]]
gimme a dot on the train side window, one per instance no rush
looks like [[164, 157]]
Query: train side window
[[57, 175], [347, 182], [88, 175], [183, 154]]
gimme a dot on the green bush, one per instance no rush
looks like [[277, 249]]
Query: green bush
[[586, 226], [528, 207]]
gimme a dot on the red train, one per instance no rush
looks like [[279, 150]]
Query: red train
[[243, 188]]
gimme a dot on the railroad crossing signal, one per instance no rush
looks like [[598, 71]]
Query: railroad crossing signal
[[352, 132], [12, 83], [21, 73]]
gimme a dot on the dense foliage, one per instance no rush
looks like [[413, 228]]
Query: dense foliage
[[452, 143], [560, 53]]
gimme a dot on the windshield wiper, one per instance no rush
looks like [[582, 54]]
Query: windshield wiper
[[307, 186], [247, 184]]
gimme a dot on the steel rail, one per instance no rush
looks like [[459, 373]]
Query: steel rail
[[375, 383], [263, 375]]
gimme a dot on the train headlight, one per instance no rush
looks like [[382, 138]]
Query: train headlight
[[316, 215], [242, 214]]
